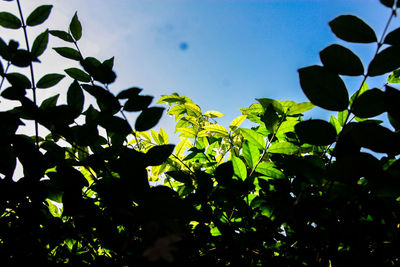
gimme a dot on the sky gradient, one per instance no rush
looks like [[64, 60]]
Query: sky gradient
[[222, 54]]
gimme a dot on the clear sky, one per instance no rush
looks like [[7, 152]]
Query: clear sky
[[222, 53]]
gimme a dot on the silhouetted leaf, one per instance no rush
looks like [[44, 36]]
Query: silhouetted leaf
[[324, 88], [341, 60], [39, 15], [99, 71], [78, 74], [369, 104], [68, 53], [13, 93], [392, 100], [49, 80], [109, 62], [385, 61], [148, 118], [18, 80], [266, 102], [21, 58], [49, 102], [62, 35], [107, 101], [129, 93], [8, 20], [158, 154], [180, 176], [40, 44], [316, 132], [75, 27], [138, 103], [352, 29], [75, 97], [388, 3]]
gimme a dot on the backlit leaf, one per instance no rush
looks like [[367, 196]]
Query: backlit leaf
[[251, 154], [283, 148], [39, 15], [287, 126], [352, 29], [215, 128], [213, 114], [324, 88], [237, 122], [239, 168], [394, 77], [268, 169], [181, 146], [335, 123], [253, 137], [299, 108]]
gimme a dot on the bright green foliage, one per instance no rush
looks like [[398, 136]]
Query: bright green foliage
[[285, 191]]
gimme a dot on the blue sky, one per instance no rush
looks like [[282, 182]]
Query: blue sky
[[223, 53]]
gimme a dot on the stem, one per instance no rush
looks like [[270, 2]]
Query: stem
[[5, 72], [32, 74]]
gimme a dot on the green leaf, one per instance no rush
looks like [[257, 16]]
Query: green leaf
[[287, 127], [213, 114], [385, 61], [352, 29], [163, 136], [394, 77], [266, 102], [239, 168], [18, 80], [369, 104], [181, 146], [342, 117], [157, 155], [68, 53], [316, 132], [251, 154], [237, 122], [215, 128], [39, 15], [268, 169], [270, 119], [40, 44], [335, 123], [324, 88], [78, 74], [148, 118], [253, 137], [62, 35], [187, 132], [341, 60], [49, 80], [49, 102], [299, 108], [75, 97], [75, 27], [8, 20], [283, 148], [193, 109], [362, 90]]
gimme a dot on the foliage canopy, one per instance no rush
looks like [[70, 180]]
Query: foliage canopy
[[288, 191]]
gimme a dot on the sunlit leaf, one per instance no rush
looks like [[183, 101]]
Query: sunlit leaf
[[253, 137], [239, 168], [215, 128], [283, 148], [268, 169], [299, 108], [251, 154], [335, 123], [213, 114], [237, 122], [287, 126]]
